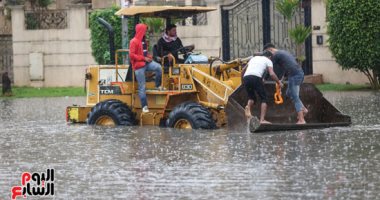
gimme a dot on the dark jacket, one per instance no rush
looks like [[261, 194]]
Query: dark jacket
[[164, 48]]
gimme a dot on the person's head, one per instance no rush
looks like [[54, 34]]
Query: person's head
[[270, 47], [140, 31], [171, 30], [267, 54]]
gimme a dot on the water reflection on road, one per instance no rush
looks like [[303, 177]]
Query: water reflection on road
[[161, 163]]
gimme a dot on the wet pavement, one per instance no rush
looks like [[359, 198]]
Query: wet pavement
[[161, 163]]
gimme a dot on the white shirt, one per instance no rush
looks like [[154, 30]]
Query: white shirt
[[257, 66], [124, 3]]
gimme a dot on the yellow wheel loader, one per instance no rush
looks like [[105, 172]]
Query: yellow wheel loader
[[199, 95]]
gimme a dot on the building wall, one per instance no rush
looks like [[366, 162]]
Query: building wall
[[61, 4], [96, 4], [208, 40], [323, 61], [65, 52]]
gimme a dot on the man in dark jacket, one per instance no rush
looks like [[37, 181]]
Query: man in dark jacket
[[6, 81], [295, 74], [141, 63], [169, 43]]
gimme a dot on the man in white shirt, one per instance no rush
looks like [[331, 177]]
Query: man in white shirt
[[253, 83]]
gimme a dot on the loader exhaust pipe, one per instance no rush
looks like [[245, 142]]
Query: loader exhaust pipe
[[111, 36]]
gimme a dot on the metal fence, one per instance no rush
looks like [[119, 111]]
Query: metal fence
[[6, 56]]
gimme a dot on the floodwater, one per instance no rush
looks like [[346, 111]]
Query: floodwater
[[160, 163]]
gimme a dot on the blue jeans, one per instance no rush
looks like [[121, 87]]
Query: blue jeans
[[293, 91], [140, 76]]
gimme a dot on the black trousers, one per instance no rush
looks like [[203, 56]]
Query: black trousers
[[254, 85]]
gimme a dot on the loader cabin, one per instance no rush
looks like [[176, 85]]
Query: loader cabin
[[166, 12]]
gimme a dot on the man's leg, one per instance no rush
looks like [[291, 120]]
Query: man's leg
[[248, 108], [259, 88], [248, 84], [153, 66], [263, 112], [140, 76], [299, 106], [293, 91]]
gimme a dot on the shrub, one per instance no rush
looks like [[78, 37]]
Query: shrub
[[99, 35], [354, 31]]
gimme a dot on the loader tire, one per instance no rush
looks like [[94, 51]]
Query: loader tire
[[111, 113], [190, 115]]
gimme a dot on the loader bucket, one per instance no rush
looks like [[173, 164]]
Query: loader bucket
[[321, 113]]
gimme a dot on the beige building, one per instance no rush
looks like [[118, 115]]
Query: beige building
[[52, 57], [208, 40], [58, 56], [58, 53]]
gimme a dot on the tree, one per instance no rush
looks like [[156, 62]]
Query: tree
[[354, 31], [298, 34], [99, 35], [156, 26], [287, 8]]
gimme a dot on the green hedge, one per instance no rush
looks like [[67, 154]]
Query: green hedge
[[27, 92], [354, 31], [99, 34]]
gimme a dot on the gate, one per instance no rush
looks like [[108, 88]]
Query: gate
[[6, 56], [249, 24]]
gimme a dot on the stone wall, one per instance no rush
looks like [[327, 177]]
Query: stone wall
[[51, 57], [5, 23]]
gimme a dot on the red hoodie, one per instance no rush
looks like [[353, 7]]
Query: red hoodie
[[136, 53]]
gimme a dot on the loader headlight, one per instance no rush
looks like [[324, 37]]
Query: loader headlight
[[175, 71]]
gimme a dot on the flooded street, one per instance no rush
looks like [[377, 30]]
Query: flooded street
[[161, 163]]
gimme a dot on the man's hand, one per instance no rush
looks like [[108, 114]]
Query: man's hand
[[147, 59], [281, 84], [170, 57]]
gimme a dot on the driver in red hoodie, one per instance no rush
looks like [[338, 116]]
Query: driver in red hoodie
[[141, 63]]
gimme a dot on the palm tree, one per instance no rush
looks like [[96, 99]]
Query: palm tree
[[287, 8], [298, 34]]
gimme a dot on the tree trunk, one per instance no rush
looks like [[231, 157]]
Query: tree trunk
[[373, 78], [376, 78], [299, 54], [369, 76]]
